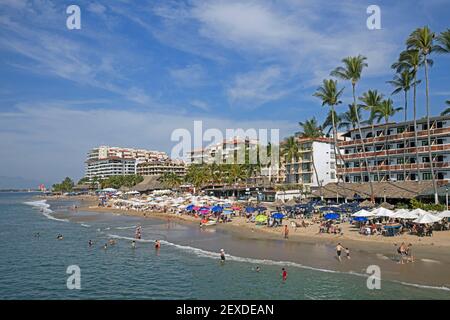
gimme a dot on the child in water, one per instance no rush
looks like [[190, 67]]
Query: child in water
[[157, 244]]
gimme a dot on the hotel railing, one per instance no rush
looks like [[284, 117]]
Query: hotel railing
[[409, 150]]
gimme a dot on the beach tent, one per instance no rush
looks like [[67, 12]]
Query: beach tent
[[332, 216], [444, 214], [427, 218], [363, 213]]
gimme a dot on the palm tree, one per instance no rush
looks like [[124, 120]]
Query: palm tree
[[446, 111], [351, 71], [444, 42], [422, 39], [372, 99], [171, 180], [311, 130], [402, 82], [349, 117], [330, 95], [410, 60], [386, 110], [290, 151], [197, 175], [328, 123]]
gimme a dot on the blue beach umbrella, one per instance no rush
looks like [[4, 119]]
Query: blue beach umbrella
[[277, 215], [332, 216], [360, 219], [261, 209], [190, 207], [250, 209], [216, 209]]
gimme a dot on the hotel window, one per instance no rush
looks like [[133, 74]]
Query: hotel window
[[400, 177], [379, 133], [412, 176], [333, 175], [425, 159], [424, 143], [412, 144], [424, 126], [379, 148], [439, 124], [332, 165], [400, 129], [357, 179], [399, 160], [412, 160], [400, 145], [426, 176], [369, 135], [439, 141], [357, 136], [375, 178]]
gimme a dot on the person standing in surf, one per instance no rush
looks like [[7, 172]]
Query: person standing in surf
[[222, 255], [286, 231], [339, 248], [284, 274]]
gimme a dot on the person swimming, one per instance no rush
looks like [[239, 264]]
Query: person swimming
[[90, 243], [59, 237], [258, 269], [112, 242], [157, 244], [133, 244], [105, 246]]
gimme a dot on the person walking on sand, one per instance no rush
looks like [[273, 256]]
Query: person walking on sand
[[284, 274], [339, 248], [286, 231]]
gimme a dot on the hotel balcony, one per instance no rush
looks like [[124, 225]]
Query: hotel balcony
[[392, 152], [396, 167], [396, 137]]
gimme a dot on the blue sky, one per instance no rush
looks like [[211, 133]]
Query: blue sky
[[137, 70]]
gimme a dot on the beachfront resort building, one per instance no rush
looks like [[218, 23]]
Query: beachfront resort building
[[159, 168], [105, 161], [398, 152], [319, 152]]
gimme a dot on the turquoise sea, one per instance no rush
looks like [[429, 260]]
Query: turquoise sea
[[186, 267]]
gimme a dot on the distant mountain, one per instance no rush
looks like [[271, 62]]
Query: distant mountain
[[18, 183]]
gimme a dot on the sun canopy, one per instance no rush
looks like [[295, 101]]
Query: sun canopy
[[444, 214], [250, 209], [261, 218], [382, 212], [363, 213], [332, 216], [427, 218], [277, 215]]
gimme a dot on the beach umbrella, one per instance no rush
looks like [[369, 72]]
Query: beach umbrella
[[109, 190], [227, 211], [216, 209], [236, 208], [360, 219], [196, 208], [261, 218], [444, 214], [250, 209], [427, 218], [406, 215], [363, 213], [277, 215], [419, 212], [332, 216], [261, 209], [382, 212]]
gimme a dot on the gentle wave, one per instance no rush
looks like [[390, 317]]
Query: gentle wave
[[85, 225], [44, 208], [213, 255], [124, 228]]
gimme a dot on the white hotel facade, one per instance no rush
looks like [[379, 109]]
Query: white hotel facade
[[105, 161]]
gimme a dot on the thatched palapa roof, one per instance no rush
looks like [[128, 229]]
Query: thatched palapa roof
[[149, 183], [392, 190]]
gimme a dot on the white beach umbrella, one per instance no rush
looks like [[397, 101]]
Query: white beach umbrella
[[408, 215], [382, 212], [444, 214], [363, 213], [420, 212], [427, 218]]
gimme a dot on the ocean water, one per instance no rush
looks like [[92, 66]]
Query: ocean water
[[34, 267]]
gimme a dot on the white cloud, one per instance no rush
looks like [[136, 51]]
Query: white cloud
[[96, 7], [190, 76], [200, 105]]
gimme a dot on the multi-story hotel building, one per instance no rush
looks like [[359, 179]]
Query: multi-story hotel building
[[224, 152], [105, 161], [322, 152], [154, 168], [393, 154]]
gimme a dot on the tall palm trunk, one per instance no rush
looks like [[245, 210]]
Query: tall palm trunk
[[415, 125], [336, 147], [362, 143], [404, 135], [317, 175], [386, 131], [375, 151], [436, 198]]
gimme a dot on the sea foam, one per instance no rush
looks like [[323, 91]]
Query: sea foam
[[44, 208]]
